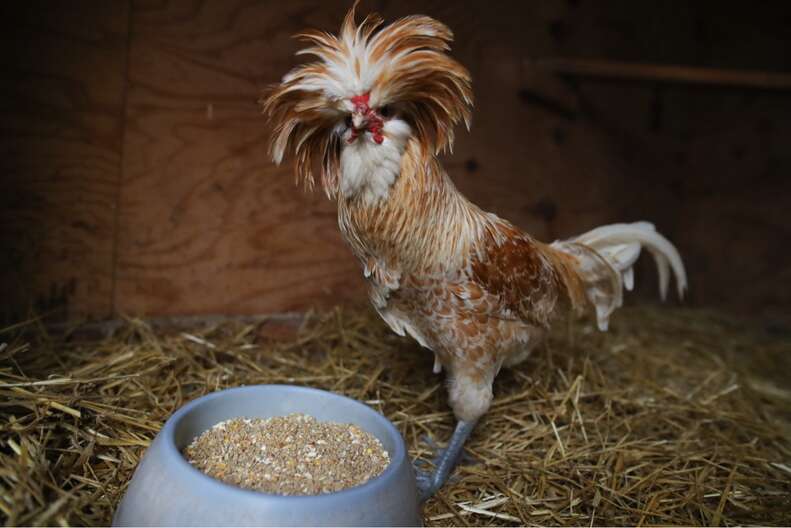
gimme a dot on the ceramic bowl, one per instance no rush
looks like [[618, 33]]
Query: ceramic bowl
[[166, 490]]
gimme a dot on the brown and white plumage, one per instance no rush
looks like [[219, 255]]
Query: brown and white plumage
[[369, 118], [404, 64]]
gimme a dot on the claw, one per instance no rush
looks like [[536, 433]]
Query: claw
[[430, 481], [426, 439], [427, 485], [465, 459], [419, 464], [444, 463]]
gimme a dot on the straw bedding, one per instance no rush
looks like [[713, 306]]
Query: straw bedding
[[675, 416]]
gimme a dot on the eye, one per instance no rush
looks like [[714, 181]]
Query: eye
[[348, 121], [385, 111]]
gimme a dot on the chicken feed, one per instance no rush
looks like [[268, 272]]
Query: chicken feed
[[288, 455]]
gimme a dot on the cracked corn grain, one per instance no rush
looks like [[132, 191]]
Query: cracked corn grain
[[288, 455]]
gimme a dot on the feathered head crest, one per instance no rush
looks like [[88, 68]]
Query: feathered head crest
[[404, 64]]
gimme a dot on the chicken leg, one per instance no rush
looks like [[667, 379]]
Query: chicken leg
[[429, 483]]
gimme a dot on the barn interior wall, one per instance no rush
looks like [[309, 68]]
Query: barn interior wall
[[136, 180]]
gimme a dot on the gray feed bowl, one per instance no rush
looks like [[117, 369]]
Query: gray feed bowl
[[167, 490]]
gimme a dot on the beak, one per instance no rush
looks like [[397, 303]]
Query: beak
[[358, 119]]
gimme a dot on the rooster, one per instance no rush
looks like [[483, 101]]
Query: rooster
[[367, 120]]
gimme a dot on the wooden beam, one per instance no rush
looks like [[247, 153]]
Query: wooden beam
[[664, 73]]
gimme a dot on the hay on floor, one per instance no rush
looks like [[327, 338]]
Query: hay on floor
[[673, 417]]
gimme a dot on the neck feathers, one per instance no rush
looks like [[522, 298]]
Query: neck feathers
[[421, 222], [368, 169]]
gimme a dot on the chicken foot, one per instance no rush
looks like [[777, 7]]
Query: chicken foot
[[428, 483]]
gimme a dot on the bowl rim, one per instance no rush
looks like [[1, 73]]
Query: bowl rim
[[372, 485]]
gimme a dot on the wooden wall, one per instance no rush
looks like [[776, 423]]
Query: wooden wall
[[62, 99], [135, 178]]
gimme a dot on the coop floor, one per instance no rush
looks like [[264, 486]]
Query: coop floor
[[675, 416]]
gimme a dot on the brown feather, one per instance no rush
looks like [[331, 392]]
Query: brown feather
[[412, 71]]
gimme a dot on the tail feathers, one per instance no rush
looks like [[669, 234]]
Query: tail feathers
[[606, 256]]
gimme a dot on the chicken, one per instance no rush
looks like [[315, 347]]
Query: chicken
[[367, 120]]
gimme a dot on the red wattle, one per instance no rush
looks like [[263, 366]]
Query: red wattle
[[375, 123]]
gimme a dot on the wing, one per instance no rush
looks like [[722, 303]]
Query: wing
[[523, 278]]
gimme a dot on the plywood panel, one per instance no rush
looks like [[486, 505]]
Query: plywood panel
[[208, 225], [64, 70], [718, 180]]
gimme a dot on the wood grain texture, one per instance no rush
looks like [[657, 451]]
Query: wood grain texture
[[64, 68], [206, 224], [209, 225]]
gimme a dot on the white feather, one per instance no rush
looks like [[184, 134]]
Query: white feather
[[620, 245], [370, 169], [604, 239], [628, 279]]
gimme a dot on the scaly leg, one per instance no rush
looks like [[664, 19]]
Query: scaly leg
[[429, 483]]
